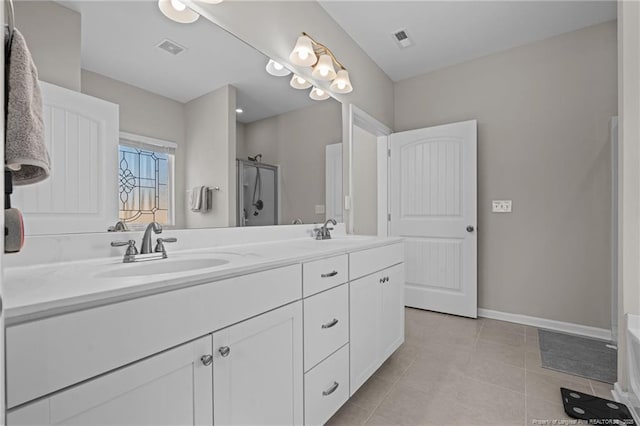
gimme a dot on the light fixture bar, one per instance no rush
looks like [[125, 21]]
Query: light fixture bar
[[324, 49]]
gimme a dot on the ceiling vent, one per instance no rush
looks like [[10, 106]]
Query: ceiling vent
[[402, 38], [171, 47]]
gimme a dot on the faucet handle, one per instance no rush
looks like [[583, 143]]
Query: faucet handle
[[131, 246], [160, 245]]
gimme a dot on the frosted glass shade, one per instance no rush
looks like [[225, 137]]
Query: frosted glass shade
[[276, 69], [342, 84], [318, 94], [324, 69], [298, 82], [303, 54], [177, 11]]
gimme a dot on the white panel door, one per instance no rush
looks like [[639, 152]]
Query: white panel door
[[172, 388], [333, 190], [258, 372], [81, 195], [433, 193]]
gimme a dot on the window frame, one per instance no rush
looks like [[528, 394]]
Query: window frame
[[156, 145]]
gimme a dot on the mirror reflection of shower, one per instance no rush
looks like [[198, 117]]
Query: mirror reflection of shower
[[257, 192]]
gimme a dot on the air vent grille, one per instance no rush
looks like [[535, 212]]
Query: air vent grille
[[402, 38], [171, 47]]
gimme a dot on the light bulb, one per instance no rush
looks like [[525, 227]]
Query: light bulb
[[324, 68], [277, 65], [298, 82], [341, 85], [318, 94], [178, 5], [303, 55], [276, 69]]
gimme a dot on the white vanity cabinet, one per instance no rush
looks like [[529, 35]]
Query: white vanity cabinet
[[171, 388], [376, 305], [258, 370]]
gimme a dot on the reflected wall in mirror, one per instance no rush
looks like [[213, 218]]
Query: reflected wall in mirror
[[195, 107]]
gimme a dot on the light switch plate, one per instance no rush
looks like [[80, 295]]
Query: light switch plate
[[501, 206], [320, 209]]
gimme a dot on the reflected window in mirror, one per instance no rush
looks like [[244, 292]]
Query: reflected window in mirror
[[146, 184]]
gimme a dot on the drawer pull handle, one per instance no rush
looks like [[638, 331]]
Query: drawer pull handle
[[206, 359], [331, 389], [330, 323], [330, 274], [224, 351]]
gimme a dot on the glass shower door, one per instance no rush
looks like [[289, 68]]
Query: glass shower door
[[257, 194]]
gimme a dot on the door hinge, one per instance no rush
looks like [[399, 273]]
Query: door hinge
[[389, 153], [389, 217]]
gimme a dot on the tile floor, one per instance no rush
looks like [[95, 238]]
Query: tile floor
[[459, 371]]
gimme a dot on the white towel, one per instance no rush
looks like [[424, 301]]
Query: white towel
[[25, 151], [195, 199]]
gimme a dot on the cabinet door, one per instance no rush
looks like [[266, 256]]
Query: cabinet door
[[392, 316], [258, 372], [365, 306], [171, 388]]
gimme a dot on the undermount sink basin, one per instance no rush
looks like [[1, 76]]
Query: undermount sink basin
[[162, 266]]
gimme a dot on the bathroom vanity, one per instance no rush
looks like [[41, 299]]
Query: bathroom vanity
[[275, 332]]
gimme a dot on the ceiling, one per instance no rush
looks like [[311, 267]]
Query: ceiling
[[119, 40], [450, 32]]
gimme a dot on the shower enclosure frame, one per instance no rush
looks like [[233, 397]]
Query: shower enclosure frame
[[240, 166]]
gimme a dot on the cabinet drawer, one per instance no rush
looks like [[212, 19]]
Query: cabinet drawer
[[323, 274], [326, 324], [366, 262], [326, 388]]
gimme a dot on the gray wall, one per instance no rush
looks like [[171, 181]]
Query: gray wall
[[147, 114], [210, 123], [543, 111], [365, 182], [45, 24], [296, 141]]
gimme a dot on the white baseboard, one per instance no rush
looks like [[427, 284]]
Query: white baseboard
[[564, 327], [623, 397]]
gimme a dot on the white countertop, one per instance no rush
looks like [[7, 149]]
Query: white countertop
[[35, 292]]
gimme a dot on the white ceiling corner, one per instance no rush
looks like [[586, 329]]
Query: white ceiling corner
[[449, 32]]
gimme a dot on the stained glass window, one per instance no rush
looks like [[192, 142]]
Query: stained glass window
[[145, 185]]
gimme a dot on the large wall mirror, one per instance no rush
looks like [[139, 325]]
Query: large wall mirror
[[205, 136]]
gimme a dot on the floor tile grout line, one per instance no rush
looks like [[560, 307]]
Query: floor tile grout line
[[389, 391]]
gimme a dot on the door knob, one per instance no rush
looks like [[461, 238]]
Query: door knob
[[225, 351], [470, 228], [206, 359]]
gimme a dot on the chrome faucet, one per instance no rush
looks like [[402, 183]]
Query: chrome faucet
[[120, 226], [146, 247], [323, 233], [146, 251]]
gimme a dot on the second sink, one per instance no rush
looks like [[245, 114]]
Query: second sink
[[168, 266]]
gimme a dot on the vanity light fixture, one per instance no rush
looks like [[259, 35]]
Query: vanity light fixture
[[318, 94], [177, 11], [298, 82], [276, 69], [309, 53]]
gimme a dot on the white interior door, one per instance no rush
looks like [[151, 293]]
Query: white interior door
[[333, 190], [433, 193]]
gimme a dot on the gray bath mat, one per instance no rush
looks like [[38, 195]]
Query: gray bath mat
[[580, 356]]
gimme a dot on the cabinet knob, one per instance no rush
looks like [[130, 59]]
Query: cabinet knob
[[206, 359], [331, 389], [224, 351]]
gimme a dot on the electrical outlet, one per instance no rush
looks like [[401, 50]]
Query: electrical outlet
[[320, 209], [501, 206]]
